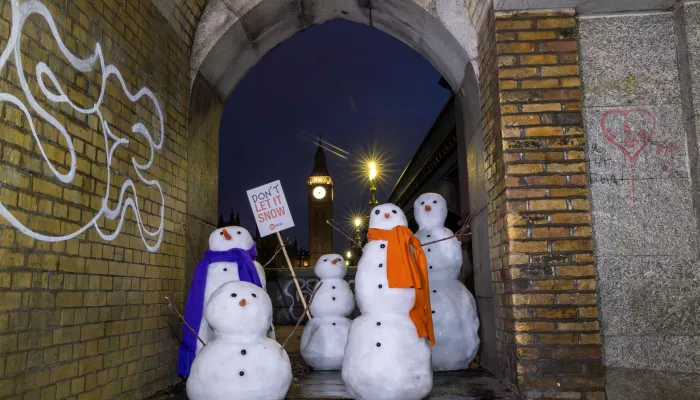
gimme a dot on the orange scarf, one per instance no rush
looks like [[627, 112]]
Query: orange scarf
[[405, 271]]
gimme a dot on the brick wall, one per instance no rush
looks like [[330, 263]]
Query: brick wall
[[182, 15], [84, 318], [541, 246]]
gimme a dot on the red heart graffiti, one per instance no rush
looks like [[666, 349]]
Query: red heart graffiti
[[638, 127]]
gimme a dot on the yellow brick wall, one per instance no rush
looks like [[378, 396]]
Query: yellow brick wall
[[541, 244], [182, 15], [85, 318]]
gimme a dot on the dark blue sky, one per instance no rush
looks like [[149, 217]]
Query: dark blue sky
[[359, 87]]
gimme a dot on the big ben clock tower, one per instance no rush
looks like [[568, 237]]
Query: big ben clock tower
[[320, 188]]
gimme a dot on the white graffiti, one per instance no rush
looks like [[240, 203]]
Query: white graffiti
[[20, 13]]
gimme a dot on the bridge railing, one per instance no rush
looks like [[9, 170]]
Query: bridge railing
[[286, 304]]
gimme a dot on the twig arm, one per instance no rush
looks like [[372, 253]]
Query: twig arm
[[174, 309], [311, 299], [343, 233]]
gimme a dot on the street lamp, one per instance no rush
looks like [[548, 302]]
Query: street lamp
[[358, 224], [372, 167]]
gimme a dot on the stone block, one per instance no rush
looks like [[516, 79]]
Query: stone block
[[677, 354], [216, 20], [650, 139], [228, 60], [319, 11], [585, 6], [488, 356], [635, 384], [629, 60], [657, 220], [481, 256], [690, 23], [648, 295], [285, 28]]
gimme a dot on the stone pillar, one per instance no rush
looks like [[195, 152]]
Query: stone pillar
[[539, 215], [642, 147]]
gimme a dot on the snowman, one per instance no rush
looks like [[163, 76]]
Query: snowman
[[325, 336], [231, 257], [455, 318], [388, 352], [240, 363]]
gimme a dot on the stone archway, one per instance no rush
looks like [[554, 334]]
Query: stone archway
[[232, 36]]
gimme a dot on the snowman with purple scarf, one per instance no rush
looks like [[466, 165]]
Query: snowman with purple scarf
[[231, 257]]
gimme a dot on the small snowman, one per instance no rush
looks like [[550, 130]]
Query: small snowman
[[231, 257], [241, 363], [325, 336], [388, 352], [455, 317]]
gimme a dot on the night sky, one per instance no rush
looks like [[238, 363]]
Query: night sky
[[358, 87]]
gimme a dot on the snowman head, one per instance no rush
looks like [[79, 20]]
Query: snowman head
[[387, 216], [230, 237], [430, 210], [239, 308], [330, 266]]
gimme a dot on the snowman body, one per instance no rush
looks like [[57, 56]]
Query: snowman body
[[384, 357], [455, 318], [325, 336], [240, 363], [219, 273]]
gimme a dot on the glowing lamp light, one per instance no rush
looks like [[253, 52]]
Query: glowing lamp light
[[372, 170], [348, 255], [347, 262], [358, 222]]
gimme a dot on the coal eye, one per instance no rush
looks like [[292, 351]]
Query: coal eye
[[239, 232], [376, 212], [394, 211], [422, 202], [225, 269], [221, 233], [254, 295], [233, 295], [434, 201], [325, 259]]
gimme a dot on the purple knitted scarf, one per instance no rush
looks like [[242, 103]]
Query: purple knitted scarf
[[195, 300]]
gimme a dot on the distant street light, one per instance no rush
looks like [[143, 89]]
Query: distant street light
[[372, 167], [358, 237]]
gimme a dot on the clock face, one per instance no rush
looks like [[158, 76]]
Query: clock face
[[319, 192]]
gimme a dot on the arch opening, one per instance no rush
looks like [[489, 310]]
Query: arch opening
[[233, 36]]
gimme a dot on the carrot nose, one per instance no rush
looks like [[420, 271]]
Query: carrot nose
[[335, 261], [226, 234], [387, 215], [242, 303], [428, 208]]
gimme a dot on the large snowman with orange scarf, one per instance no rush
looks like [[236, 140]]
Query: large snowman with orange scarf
[[454, 309], [387, 356]]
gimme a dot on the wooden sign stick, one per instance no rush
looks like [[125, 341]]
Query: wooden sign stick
[[294, 276]]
